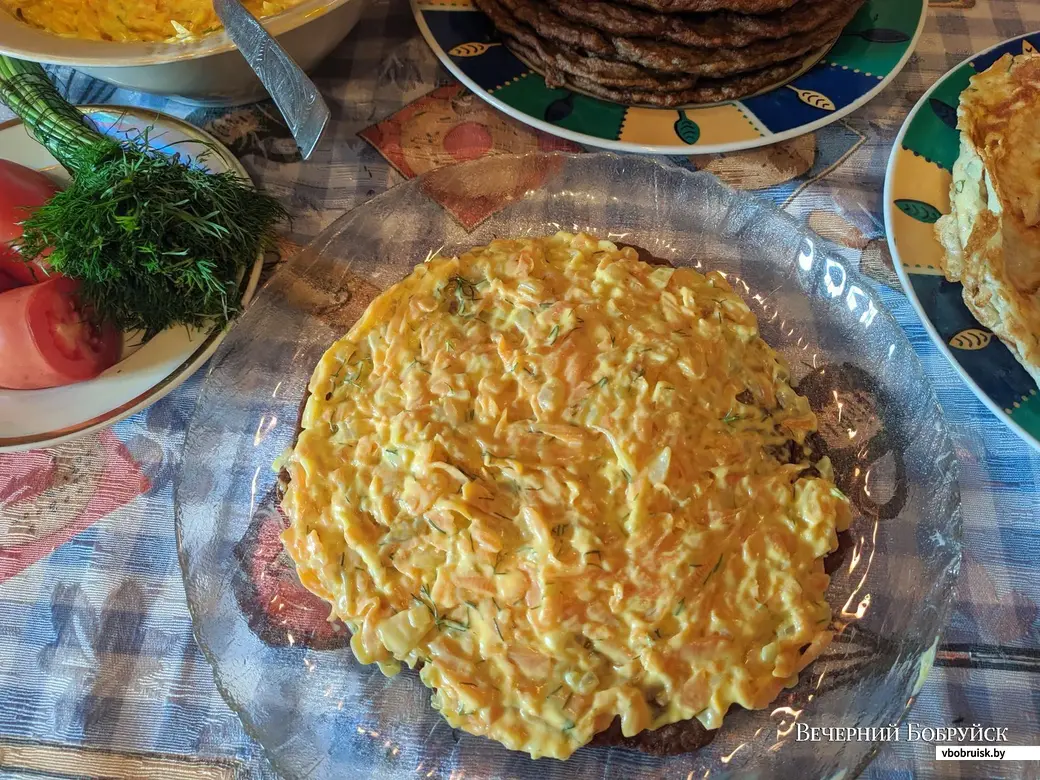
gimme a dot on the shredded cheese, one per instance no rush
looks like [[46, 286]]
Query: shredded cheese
[[547, 473]]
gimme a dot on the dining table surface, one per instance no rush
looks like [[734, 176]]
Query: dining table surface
[[100, 674]]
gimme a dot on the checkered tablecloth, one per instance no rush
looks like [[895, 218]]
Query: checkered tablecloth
[[99, 673]]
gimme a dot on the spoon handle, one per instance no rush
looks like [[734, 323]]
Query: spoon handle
[[301, 104]]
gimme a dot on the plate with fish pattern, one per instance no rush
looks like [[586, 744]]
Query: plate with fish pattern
[[917, 193], [870, 52]]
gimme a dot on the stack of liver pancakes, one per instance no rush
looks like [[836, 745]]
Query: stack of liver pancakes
[[668, 52]]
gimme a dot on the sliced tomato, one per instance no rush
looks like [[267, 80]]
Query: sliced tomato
[[8, 282], [22, 190], [14, 267], [47, 338]]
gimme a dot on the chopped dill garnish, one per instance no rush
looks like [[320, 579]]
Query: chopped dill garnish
[[153, 239], [679, 607], [426, 604], [335, 376], [714, 569], [427, 601], [433, 524], [499, 630], [553, 334], [454, 625]]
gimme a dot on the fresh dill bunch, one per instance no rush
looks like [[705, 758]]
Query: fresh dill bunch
[[153, 239]]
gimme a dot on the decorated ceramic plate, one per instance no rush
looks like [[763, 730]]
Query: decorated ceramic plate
[[872, 49], [917, 189], [148, 370]]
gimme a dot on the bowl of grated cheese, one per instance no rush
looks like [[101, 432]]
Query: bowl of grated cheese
[[182, 52]]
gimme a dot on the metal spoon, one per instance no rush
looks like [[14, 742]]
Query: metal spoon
[[301, 104]]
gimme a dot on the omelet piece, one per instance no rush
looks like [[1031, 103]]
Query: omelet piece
[[558, 479], [991, 236], [131, 20]]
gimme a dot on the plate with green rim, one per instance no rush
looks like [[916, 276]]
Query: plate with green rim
[[917, 193], [870, 52]]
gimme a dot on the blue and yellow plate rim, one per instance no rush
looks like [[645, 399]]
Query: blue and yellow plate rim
[[917, 184], [872, 50]]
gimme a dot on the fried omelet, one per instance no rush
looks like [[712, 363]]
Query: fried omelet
[[549, 475], [131, 20], [991, 236]]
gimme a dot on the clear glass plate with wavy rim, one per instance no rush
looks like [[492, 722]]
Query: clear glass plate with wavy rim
[[289, 673]]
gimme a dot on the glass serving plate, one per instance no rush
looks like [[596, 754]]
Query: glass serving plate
[[289, 673]]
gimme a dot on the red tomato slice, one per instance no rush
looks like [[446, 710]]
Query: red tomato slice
[[8, 282], [47, 339], [14, 267], [21, 191]]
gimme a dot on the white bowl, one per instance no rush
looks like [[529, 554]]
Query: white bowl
[[208, 70], [147, 371]]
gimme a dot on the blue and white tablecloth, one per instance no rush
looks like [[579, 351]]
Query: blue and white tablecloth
[[99, 673]]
